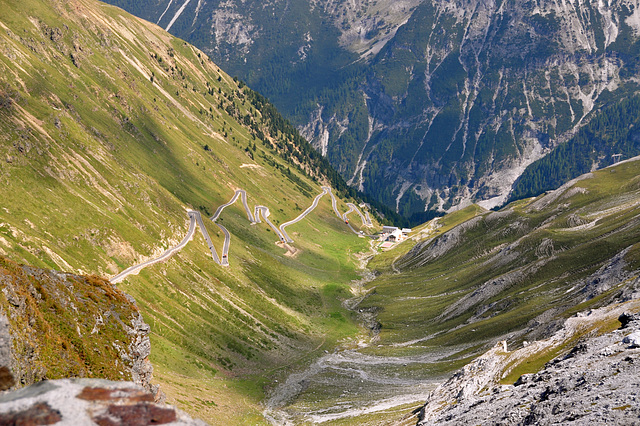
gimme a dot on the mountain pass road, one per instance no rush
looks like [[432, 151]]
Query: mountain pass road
[[167, 254], [196, 218]]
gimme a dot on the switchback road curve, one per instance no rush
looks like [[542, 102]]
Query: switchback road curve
[[196, 218], [167, 254]]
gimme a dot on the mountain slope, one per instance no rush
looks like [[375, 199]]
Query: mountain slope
[[111, 130], [514, 272], [593, 382], [472, 278], [423, 104], [114, 133], [610, 135]]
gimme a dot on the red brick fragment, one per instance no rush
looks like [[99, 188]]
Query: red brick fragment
[[38, 414], [141, 414], [123, 394]]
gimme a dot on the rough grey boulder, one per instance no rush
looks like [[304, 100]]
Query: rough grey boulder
[[633, 339], [86, 402]]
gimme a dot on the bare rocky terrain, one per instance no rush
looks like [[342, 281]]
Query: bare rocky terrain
[[594, 383]]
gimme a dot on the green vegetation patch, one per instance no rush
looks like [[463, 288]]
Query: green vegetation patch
[[65, 325]]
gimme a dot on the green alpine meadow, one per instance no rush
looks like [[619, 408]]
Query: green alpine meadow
[[162, 223], [111, 130]]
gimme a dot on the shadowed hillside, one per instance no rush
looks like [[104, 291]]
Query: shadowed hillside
[[111, 129]]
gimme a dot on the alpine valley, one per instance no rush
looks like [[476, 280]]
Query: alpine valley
[[162, 223], [425, 105]]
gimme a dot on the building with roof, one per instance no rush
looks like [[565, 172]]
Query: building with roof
[[395, 236]]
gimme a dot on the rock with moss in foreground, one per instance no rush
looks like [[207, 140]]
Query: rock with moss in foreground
[[593, 380], [88, 401], [57, 325]]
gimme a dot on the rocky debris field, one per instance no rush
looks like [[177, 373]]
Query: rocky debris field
[[595, 382], [87, 401]]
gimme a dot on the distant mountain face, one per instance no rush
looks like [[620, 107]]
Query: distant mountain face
[[422, 104]]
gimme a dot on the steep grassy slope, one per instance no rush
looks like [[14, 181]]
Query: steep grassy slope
[[515, 273], [110, 130]]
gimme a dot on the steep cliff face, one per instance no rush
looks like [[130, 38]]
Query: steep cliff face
[[469, 93], [55, 325], [423, 104]]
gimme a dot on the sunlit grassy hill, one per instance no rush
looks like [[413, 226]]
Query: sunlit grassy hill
[[110, 130]]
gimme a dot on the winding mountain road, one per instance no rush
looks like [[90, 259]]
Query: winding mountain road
[[196, 218], [264, 211], [239, 193], [207, 238], [193, 215], [325, 190], [225, 245], [227, 236], [334, 201], [366, 221]]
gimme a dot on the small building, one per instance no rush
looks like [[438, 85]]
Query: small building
[[388, 229], [406, 231], [395, 236]]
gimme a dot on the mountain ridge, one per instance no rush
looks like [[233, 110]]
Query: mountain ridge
[[461, 98], [465, 281]]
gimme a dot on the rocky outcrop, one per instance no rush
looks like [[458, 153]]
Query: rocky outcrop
[[138, 353], [6, 378], [596, 381], [55, 325], [428, 250], [88, 401]]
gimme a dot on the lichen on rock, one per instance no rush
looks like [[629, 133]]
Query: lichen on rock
[[58, 325]]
